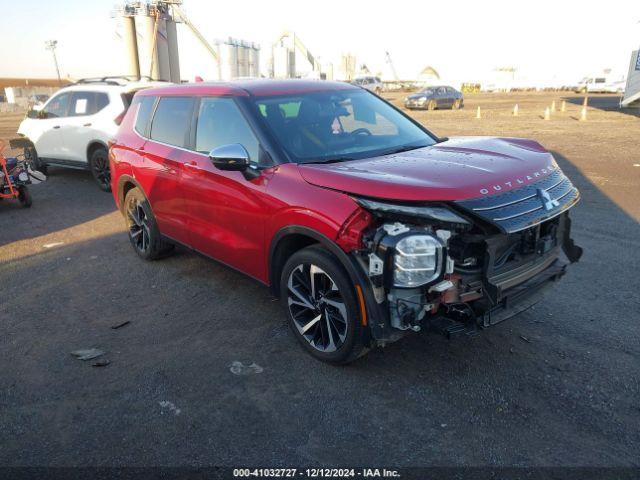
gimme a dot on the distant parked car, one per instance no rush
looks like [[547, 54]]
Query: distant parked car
[[37, 101], [72, 129], [430, 98], [600, 84], [373, 84]]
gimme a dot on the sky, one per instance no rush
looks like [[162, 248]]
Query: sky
[[546, 41]]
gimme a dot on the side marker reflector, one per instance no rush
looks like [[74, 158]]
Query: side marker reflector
[[363, 308]]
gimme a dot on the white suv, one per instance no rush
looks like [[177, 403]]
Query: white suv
[[75, 125], [373, 84]]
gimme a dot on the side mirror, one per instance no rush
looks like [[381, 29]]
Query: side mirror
[[233, 157], [33, 114]]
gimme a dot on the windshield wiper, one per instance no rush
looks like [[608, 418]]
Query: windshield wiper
[[334, 160], [405, 148]]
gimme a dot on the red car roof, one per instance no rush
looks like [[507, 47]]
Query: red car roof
[[242, 88]]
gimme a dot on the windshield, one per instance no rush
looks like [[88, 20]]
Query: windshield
[[338, 125]]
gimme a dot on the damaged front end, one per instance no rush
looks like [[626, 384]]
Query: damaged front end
[[454, 268]]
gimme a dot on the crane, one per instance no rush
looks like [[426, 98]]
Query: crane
[[387, 58], [297, 43], [180, 13]]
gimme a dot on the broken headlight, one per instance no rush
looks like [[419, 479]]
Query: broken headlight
[[405, 257], [417, 261]]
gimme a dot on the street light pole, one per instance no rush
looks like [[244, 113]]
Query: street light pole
[[51, 45]]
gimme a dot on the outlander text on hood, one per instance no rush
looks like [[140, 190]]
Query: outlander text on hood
[[365, 224]]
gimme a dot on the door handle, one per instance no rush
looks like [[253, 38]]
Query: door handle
[[86, 125], [56, 126], [193, 166]]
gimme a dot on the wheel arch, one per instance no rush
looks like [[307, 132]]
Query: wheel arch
[[126, 183], [93, 146], [290, 239], [372, 313]]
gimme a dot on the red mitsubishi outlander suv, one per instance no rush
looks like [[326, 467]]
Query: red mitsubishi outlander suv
[[364, 223]]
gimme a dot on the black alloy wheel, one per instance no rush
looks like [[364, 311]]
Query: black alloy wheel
[[142, 228], [138, 223], [322, 306], [99, 165], [317, 307]]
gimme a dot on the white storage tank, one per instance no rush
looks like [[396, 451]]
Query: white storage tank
[[145, 26], [162, 51], [283, 62], [243, 59], [131, 45], [174, 57], [254, 61], [228, 59]]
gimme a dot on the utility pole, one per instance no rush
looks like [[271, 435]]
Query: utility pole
[[51, 45]]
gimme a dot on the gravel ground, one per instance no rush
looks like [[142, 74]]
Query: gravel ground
[[556, 386]]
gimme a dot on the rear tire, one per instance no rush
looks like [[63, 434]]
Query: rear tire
[[99, 166], [142, 228], [455, 105], [321, 306]]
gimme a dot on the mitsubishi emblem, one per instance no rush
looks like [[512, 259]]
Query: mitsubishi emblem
[[547, 202]]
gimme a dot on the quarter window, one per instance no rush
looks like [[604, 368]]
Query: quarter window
[[102, 100], [145, 109], [220, 122], [172, 120]]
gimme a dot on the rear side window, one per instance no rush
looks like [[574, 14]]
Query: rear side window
[[172, 121], [145, 110], [87, 103]]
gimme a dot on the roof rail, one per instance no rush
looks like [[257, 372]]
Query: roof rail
[[111, 79]]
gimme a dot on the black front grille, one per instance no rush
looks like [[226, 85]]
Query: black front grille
[[522, 208]]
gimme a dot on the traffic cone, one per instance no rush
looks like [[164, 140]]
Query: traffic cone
[[547, 114], [583, 114], [515, 110], [478, 114]]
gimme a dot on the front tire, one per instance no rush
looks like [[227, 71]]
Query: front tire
[[431, 106], [99, 166], [321, 306], [31, 156], [142, 228]]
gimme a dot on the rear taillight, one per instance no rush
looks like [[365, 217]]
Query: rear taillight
[[119, 118]]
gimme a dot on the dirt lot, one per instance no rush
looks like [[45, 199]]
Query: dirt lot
[[558, 385]]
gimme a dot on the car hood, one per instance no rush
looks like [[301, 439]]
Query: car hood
[[457, 169], [415, 96]]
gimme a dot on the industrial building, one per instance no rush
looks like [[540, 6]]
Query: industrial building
[[150, 41]]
